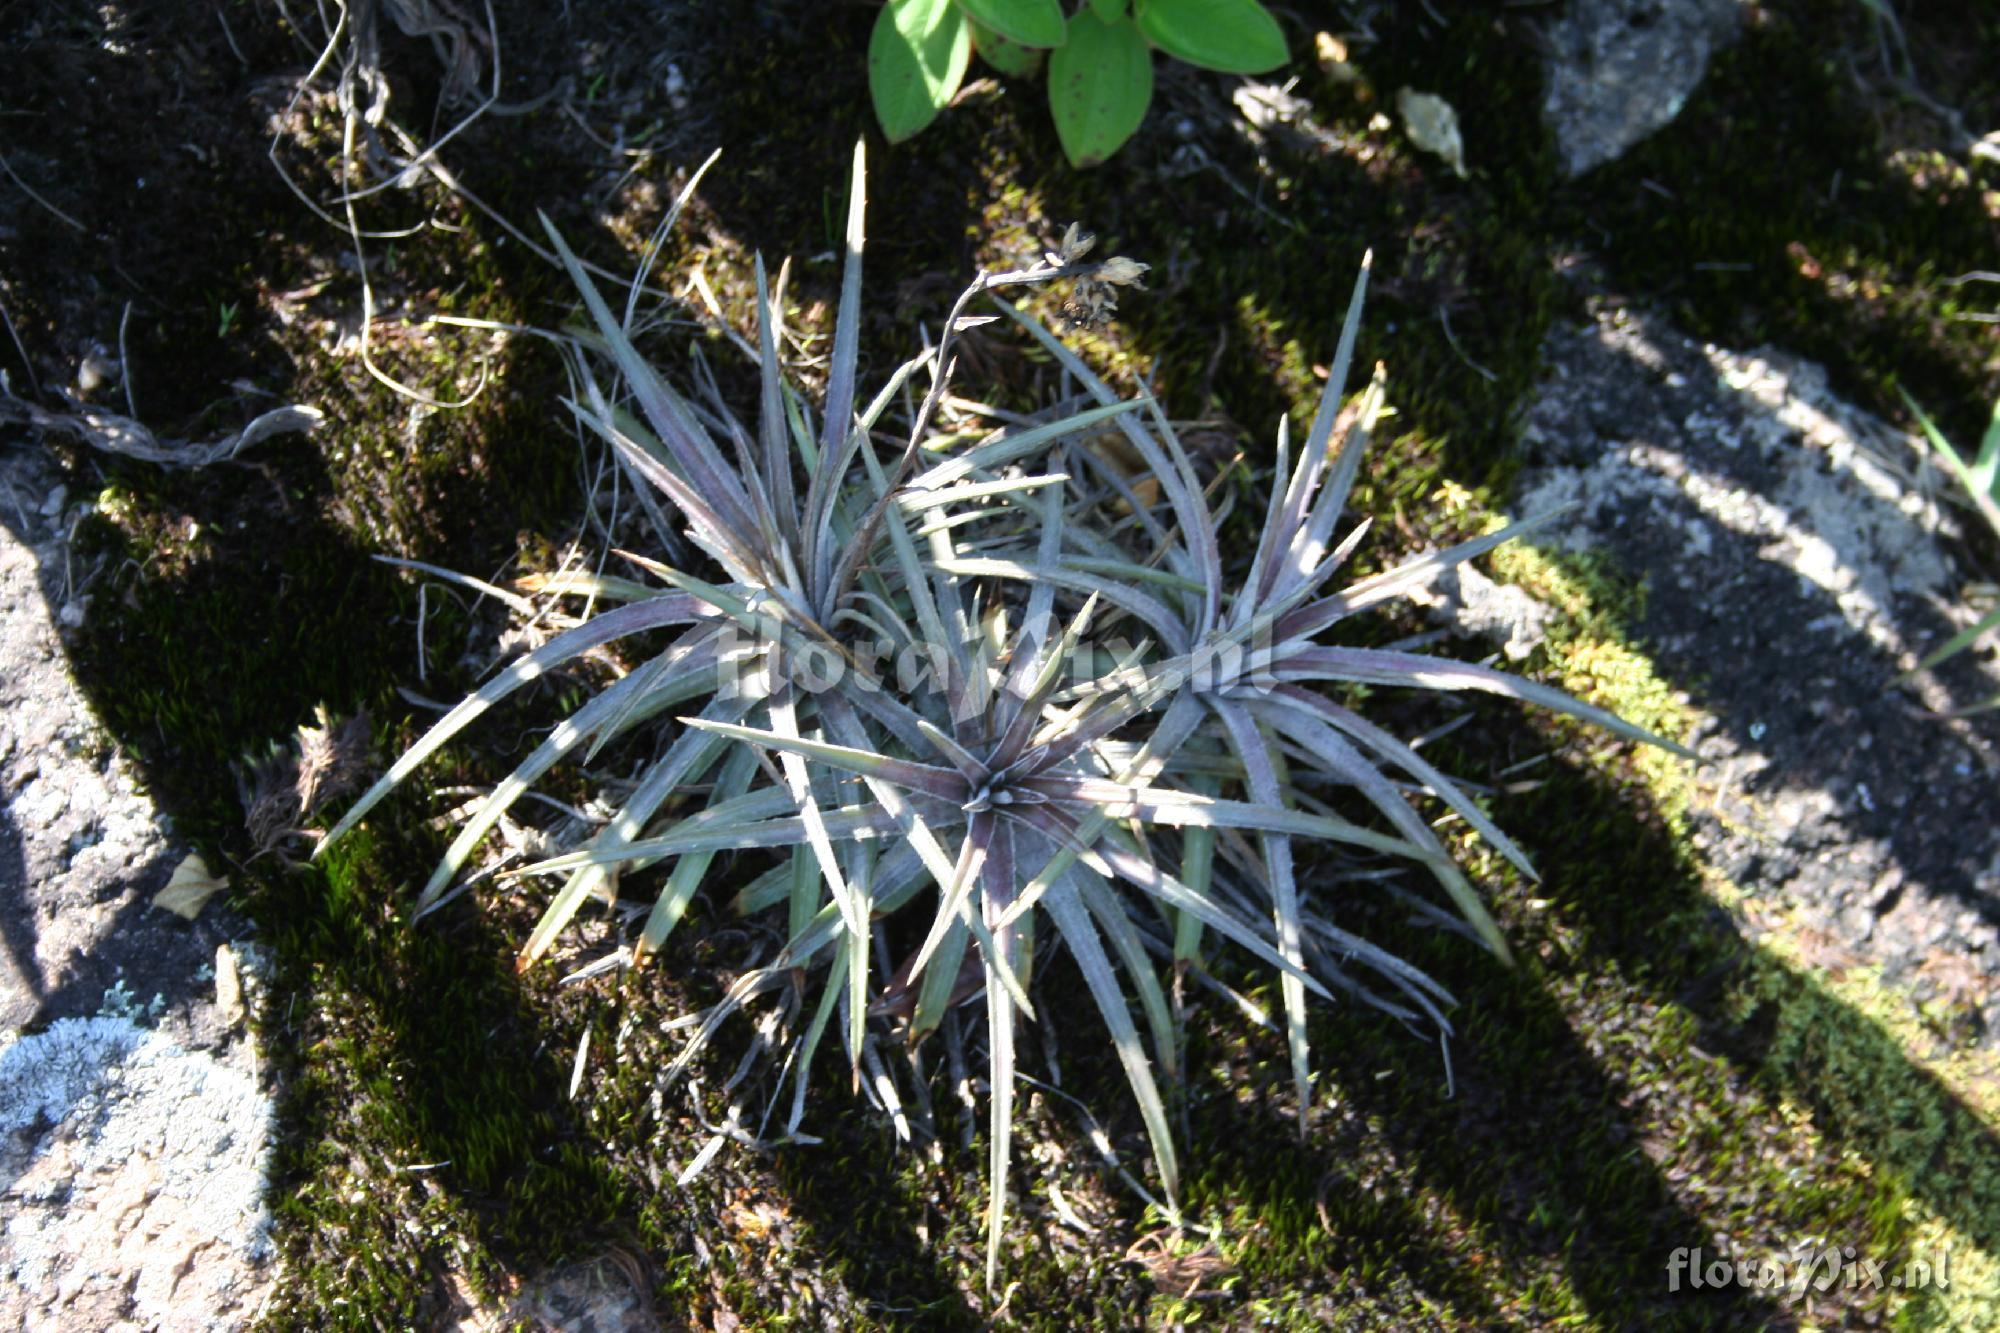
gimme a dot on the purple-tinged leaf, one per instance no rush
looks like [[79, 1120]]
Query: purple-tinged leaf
[[1305, 621], [1400, 754], [1248, 743], [836, 442], [1080, 935], [622, 622], [696, 454], [928, 779], [1312, 458], [771, 426], [1341, 761], [1375, 666]]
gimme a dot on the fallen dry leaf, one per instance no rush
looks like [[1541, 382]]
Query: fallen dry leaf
[[1432, 125], [192, 885]]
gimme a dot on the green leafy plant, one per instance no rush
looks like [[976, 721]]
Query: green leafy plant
[[1100, 58], [1979, 480], [1111, 743]]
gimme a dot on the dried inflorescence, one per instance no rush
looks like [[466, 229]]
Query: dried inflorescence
[[1093, 297], [283, 791]]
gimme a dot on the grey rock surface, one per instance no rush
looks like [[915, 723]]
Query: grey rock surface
[[135, 1175], [134, 1126], [1797, 560], [80, 846], [1618, 70]]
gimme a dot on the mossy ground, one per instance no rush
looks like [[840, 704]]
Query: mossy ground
[[1641, 1082]]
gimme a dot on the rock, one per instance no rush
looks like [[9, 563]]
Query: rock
[[133, 1129], [1792, 570], [1475, 604], [1620, 69], [82, 848], [136, 1176]]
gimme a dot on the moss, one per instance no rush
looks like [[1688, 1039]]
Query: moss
[[1589, 651], [1846, 1047], [417, 1086]]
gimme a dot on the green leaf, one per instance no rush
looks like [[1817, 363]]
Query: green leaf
[[1957, 643], [1023, 22], [1986, 471], [1977, 479], [1100, 82], [1009, 57], [916, 59], [1230, 36], [1108, 10]]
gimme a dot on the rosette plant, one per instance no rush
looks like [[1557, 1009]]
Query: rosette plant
[[1100, 57], [981, 696]]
